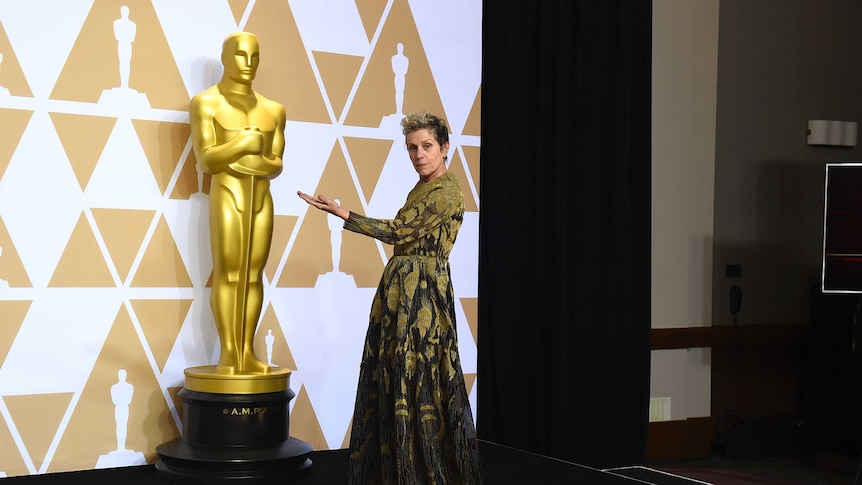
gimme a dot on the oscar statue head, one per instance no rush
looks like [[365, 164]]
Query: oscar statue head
[[240, 57]]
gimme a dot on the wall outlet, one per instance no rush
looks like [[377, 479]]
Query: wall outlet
[[659, 409], [733, 271]]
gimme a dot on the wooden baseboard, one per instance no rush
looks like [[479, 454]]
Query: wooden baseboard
[[680, 440], [723, 335]]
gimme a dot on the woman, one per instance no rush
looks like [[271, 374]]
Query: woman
[[412, 423]]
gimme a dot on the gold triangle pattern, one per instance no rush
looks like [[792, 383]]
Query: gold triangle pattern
[[83, 139], [127, 381], [337, 72], [469, 381], [161, 322], [288, 62], [237, 7], [13, 463], [270, 328], [372, 104], [368, 156], [95, 58], [473, 125], [371, 11], [13, 312], [309, 257], [14, 83], [163, 157], [471, 311], [37, 434], [345, 443], [456, 168], [123, 231], [14, 121], [191, 181], [12, 271], [82, 264], [304, 424], [282, 229], [471, 155], [162, 265]]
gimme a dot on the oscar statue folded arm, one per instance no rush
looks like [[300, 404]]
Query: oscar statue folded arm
[[245, 153]]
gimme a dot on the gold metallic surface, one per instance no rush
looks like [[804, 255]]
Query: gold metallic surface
[[207, 378], [238, 137]]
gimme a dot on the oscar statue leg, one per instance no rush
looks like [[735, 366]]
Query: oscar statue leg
[[226, 234], [262, 227]]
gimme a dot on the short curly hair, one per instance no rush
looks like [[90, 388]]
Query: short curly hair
[[423, 120]]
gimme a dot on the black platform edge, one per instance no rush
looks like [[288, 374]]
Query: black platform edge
[[286, 462], [652, 476], [505, 465], [501, 465]]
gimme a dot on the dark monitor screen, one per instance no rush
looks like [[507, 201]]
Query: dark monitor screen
[[842, 229]]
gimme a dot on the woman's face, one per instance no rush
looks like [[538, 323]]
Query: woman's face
[[427, 155]]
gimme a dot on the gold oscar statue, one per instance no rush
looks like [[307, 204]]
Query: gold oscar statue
[[238, 137], [236, 419]]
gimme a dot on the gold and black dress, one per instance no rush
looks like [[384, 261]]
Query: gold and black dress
[[412, 422]]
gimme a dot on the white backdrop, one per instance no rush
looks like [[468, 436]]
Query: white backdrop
[[105, 262]]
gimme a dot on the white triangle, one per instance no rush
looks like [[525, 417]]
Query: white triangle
[[123, 178], [466, 345], [59, 341], [40, 199], [464, 260], [197, 342], [304, 163], [195, 30], [396, 180], [42, 51], [331, 26], [456, 57], [188, 221], [326, 341]]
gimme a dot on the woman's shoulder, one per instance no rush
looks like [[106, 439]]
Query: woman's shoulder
[[447, 181], [450, 183]]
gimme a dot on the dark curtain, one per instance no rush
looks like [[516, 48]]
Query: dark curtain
[[564, 232]]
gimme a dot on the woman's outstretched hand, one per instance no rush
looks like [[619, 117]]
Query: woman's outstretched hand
[[325, 204]]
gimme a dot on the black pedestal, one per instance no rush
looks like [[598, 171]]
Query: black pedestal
[[234, 437]]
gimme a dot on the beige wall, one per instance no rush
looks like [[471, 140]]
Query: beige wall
[[685, 60]]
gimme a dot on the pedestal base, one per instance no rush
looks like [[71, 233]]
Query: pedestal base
[[230, 437], [286, 461]]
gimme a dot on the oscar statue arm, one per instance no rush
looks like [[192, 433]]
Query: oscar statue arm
[[274, 159], [213, 156]]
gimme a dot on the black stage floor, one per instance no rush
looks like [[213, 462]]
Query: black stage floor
[[501, 465]]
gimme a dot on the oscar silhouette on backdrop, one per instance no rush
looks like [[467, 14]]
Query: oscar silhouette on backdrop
[[121, 396], [400, 64], [269, 339], [336, 227], [238, 137], [125, 31]]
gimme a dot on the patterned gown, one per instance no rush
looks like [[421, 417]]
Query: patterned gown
[[412, 421]]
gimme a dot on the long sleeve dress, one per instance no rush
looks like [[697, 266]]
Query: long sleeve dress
[[412, 421]]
